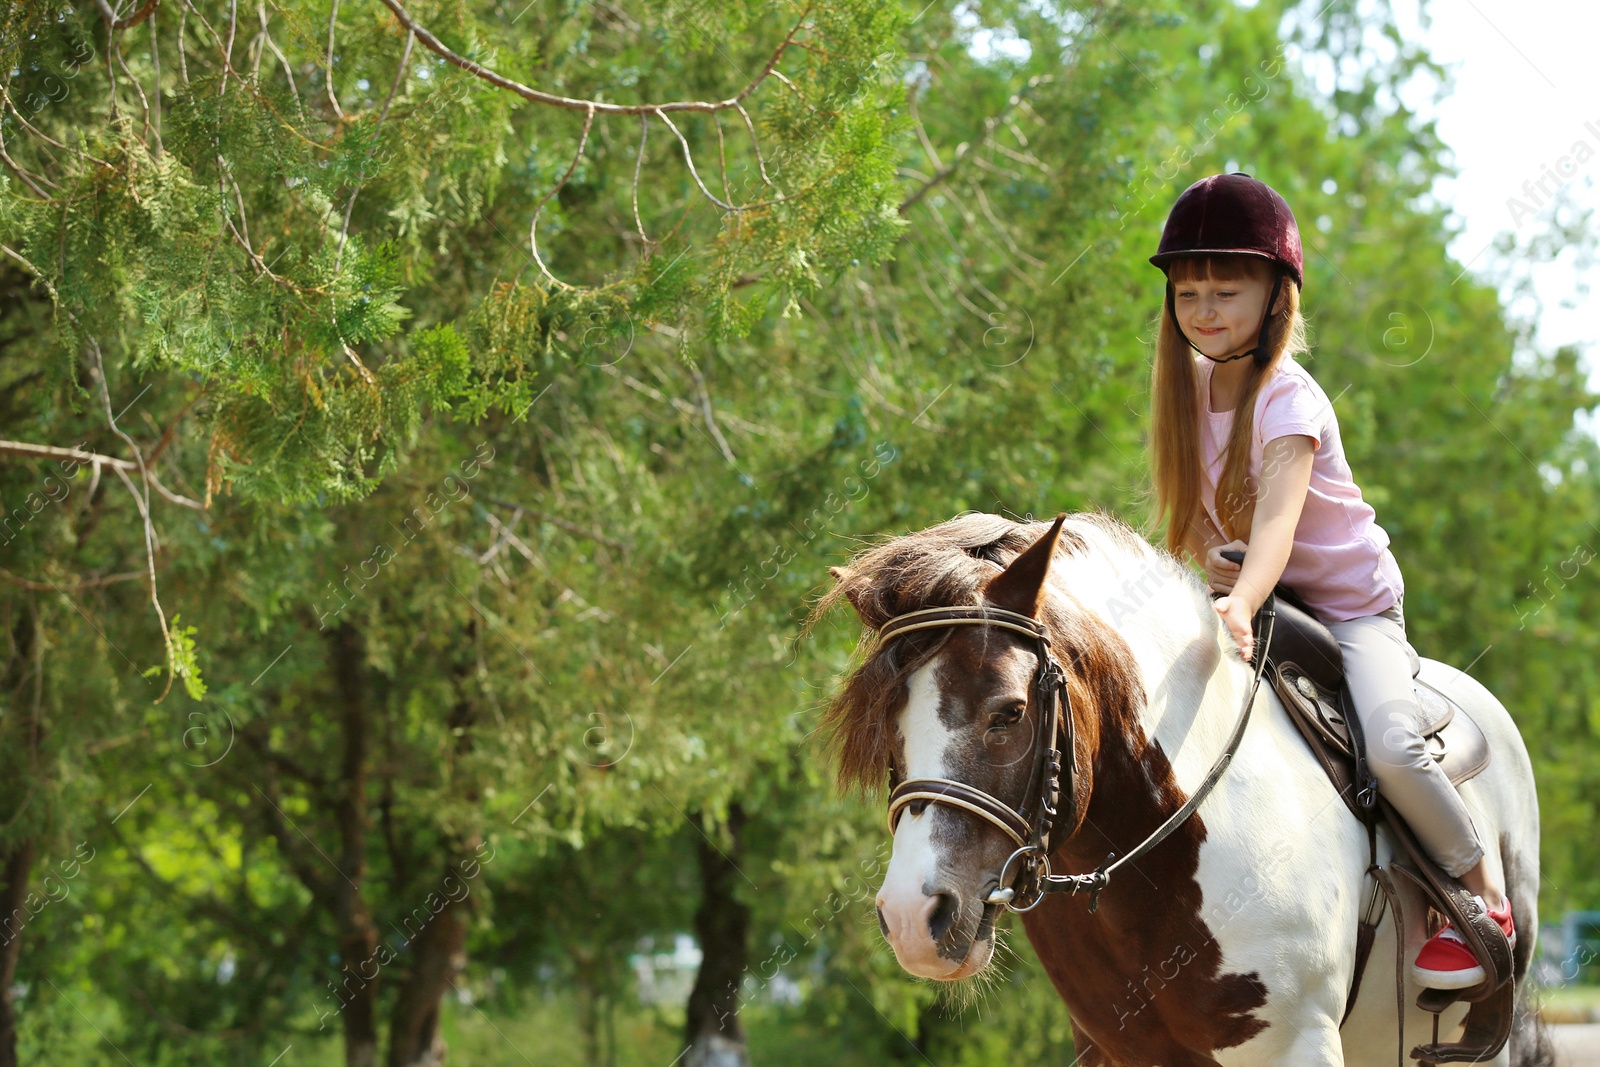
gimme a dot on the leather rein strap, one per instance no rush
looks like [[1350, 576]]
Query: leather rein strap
[[1030, 827]]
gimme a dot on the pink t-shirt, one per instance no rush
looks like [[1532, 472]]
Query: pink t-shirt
[[1340, 563]]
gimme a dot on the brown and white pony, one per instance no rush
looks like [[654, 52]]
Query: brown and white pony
[[1233, 941]]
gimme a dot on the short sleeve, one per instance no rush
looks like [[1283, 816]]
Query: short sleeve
[[1294, 404]]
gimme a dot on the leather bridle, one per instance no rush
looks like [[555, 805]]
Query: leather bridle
[[1050, 784]]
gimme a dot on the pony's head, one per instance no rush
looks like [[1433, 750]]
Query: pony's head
[[954, 703]]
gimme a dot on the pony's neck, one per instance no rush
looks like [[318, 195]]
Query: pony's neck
[[1155, 603], [1192, 678]]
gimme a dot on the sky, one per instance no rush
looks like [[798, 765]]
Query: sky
[[1521, 108]]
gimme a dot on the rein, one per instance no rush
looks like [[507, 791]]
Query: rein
[[1031, 826]]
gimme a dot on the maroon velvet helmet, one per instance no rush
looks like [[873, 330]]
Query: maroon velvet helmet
[[1232, 214]]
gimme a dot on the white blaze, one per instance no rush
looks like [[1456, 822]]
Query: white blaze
[[902, 901]]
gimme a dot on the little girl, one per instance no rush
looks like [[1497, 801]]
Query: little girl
[[1246, 454]]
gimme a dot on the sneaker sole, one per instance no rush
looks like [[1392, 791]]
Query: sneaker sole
[[1448, 979]]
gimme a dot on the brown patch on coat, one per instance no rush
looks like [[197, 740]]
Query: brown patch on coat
[[1142, 976]]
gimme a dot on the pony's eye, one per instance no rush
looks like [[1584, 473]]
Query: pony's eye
[[1009, 717]]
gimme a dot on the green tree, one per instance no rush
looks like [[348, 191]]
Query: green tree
[[580, 660]]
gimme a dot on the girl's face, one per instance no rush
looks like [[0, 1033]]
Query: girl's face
[[1221, 315]]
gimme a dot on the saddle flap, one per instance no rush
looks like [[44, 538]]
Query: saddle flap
[[1435, 711], [1454, 740]]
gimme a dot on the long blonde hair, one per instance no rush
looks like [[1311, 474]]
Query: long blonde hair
[[1176, 403]]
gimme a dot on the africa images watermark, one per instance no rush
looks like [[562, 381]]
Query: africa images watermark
[[433, 505], [815, 524], [1565, 571], [857, 886], [1253, 90], [54, 888], [1541, 191], [53, 490], [453, 889]]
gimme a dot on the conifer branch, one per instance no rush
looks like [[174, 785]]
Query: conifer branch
[[755, 143], [533, 226], [82, 583], [132, 20], [438, 47], [283, 60], [557, 521], [35, 271], [394, 87], [31, 128], [16, 169], [644, 132], [31, 451], [593, 107], [115, 47], [722, 154], [333, 98], [143, 503], [688, 158], [943, 171], [710, 416]]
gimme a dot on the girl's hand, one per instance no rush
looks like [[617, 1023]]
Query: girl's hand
[[1236, 615], [1222, 573]]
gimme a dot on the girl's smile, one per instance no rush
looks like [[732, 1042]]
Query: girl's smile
[[1222, 316]]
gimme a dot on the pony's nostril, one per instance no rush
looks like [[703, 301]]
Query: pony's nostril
[[882, 923], [943, 915]]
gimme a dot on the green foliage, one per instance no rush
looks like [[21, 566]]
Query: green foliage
[[499, 560]]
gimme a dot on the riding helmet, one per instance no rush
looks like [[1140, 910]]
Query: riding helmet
[[1232, 214]]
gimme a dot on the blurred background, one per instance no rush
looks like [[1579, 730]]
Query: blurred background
[[422, 445]]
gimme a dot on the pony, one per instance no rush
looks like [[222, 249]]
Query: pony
[[1231, 942]]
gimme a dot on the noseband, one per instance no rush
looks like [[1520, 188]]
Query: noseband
[[1051, 782]]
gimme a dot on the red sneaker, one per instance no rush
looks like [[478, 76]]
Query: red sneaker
[[1446, 962]]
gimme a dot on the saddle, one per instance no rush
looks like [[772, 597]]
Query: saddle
[[1306, 668]]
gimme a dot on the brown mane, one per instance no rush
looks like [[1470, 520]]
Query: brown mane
[[943, 565]]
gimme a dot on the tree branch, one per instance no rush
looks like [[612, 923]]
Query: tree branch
[[943, 171], [533, 226], [142, 501], [82, 583], [132, 20], [22, 448], [333, 98], [558, 521], [284, 763], [278, 826], [433, 44], [710, 416]]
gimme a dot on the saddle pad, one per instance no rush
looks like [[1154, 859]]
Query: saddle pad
[[1454, 740]]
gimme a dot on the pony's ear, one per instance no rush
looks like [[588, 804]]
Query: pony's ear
[[852, 590], [1020, 587]]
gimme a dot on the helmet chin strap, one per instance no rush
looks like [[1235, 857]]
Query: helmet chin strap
[[1260, 351]]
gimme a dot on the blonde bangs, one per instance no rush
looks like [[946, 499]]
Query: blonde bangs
[[1221, 268]]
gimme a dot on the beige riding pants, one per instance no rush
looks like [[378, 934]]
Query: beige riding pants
[[1379, 665]]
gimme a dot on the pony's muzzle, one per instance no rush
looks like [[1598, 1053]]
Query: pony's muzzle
[[930, 916], [924, 929]]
